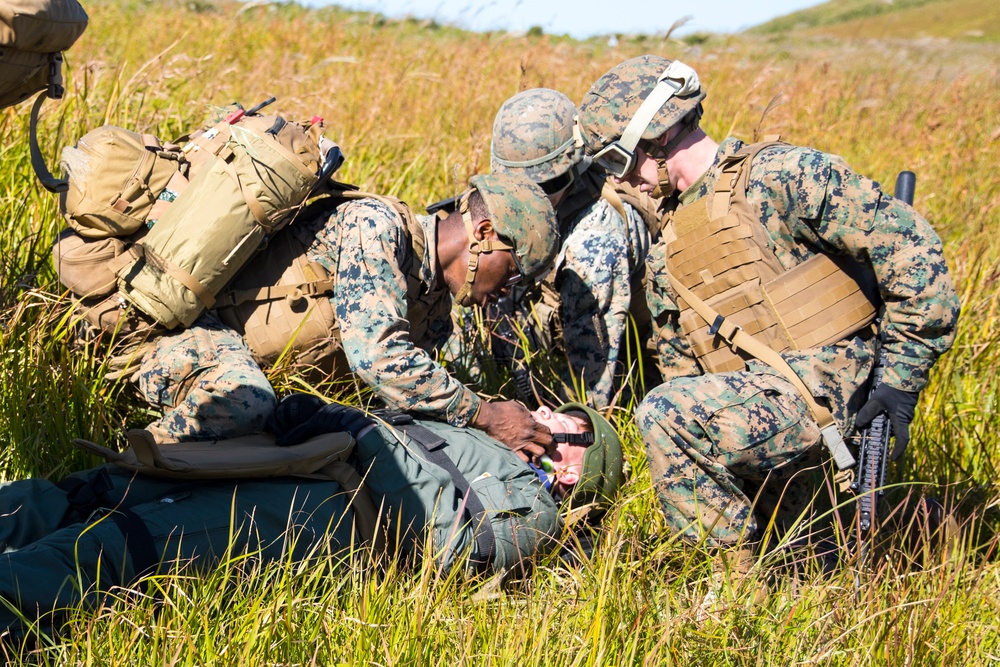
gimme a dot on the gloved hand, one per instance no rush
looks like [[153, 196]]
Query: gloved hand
[[293, 410], [331, 418], [899, 405]]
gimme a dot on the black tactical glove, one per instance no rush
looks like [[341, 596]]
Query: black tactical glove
[[898, 405], [331, 418], [292, 411]]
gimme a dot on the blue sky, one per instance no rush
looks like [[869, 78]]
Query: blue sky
[[584, 18]]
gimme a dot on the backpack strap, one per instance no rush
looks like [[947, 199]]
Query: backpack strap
[[292, 293], [609, 195], [55, 91], [138, 542], [433, 446]]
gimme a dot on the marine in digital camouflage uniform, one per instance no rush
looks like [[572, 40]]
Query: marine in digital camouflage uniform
[[75, 541], [209, 386], [598, 271], [722, 447]]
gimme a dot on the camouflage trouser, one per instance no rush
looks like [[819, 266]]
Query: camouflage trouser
[[63, 544], [207, 384], [724, 449]]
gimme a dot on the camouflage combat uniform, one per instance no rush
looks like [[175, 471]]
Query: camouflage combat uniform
[[582, 310], [714, 440], [599, 266], [55, 539], [207, 383]]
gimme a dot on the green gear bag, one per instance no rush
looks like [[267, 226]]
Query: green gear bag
[[262, 171]]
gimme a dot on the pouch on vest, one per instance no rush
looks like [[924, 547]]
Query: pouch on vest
[[283, 306], [33, 34], [263, 169]]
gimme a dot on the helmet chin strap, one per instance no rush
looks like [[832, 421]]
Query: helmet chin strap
[[664, 188], [476, 247]]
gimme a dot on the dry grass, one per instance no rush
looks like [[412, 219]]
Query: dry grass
[[413, 106]]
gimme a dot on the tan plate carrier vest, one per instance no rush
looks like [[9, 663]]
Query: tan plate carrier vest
[[737, 301]]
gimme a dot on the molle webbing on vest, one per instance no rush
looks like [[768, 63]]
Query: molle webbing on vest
[[723, 255], [283, 305]]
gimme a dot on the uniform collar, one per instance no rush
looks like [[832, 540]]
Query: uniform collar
[[429, 262]]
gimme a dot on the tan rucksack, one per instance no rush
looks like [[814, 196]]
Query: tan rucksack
[[265, 169], [33, 35], [191, 217]]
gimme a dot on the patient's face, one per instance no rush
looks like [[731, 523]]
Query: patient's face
[[558, 422], [567, 460]]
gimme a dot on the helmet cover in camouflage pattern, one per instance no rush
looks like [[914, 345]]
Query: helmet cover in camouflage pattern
[[603, 462], [615, 98], [535, 133], [521, 213]]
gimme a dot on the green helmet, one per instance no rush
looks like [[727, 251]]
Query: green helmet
[[537, 133], [521, 213], [616, 98], [603, 462]]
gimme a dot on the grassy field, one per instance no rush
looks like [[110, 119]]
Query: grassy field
[[412, 105]]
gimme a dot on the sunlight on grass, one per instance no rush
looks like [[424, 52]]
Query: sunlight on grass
[[412, 107]]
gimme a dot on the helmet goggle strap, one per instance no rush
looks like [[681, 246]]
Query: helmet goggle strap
[[618, 157], [591, 483], [477, 247], [574, 438]]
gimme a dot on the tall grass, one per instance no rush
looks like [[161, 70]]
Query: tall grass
[[412, 106]]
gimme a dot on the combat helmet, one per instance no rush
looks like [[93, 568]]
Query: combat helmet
[[521, 213], [603, 462], [638, 99], [537, 133]]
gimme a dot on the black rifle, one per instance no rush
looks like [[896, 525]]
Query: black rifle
[[873, 452], [509, 348]]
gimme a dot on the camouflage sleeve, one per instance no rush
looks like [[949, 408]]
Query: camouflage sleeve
[[371, 310], [673, 355], [815, 198], [593, 281]]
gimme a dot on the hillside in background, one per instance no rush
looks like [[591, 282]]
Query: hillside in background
[[412, 104], [971, 20]]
